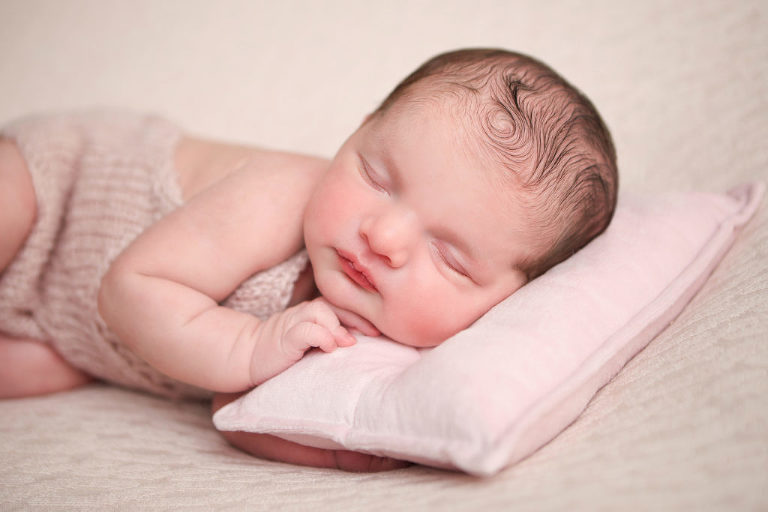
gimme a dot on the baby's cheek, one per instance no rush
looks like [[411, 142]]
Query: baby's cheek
[[428, 325]]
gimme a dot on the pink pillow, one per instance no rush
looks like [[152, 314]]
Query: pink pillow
[[497, 391]]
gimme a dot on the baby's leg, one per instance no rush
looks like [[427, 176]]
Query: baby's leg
[[270, 447], [28, 367], [17, 197]]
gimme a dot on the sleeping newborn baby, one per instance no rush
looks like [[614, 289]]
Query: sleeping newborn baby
[[182, 266]]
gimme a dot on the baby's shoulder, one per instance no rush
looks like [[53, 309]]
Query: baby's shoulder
[[201, 163]]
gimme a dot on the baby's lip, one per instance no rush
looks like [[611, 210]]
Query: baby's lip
[[356, 271]]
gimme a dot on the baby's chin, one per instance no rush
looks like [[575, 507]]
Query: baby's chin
[[355, 322], [349, 319], [417, 336]]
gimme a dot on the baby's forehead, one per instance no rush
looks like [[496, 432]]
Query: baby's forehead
[[460, 117], [479, 124], [464, 125]]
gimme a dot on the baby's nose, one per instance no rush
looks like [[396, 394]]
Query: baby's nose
[[390, 235]]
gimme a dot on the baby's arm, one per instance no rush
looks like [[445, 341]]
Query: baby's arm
[[161, 294]]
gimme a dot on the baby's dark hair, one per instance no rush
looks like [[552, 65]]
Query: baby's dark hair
[[544, 131]]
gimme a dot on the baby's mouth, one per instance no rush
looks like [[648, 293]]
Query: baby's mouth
[[356, 272]]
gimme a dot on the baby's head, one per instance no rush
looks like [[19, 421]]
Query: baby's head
[[543, 139], [478, 173]]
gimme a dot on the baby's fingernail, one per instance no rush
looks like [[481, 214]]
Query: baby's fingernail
[[345, 335]]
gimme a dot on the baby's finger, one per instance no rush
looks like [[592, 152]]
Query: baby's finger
[[343, 337], [304, 335], [319, 312]]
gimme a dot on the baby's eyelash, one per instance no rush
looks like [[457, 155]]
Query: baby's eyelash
[[451, 262], [368, 175]]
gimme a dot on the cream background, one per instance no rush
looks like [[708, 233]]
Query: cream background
[[684, 88]]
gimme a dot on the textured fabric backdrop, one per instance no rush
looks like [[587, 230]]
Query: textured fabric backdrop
[[684, 88]]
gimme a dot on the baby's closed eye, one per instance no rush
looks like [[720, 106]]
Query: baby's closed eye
[[448, 258]]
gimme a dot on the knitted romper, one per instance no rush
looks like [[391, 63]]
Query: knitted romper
[[101, 178]]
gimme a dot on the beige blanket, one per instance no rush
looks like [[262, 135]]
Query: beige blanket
[[684, 87]]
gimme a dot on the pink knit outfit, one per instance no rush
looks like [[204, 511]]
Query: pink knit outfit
[[101, 178]]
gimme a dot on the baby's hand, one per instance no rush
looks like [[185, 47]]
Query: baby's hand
[[283, 338]]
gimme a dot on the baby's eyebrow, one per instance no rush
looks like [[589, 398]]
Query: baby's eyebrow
[[393, 171], [381, 150]]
